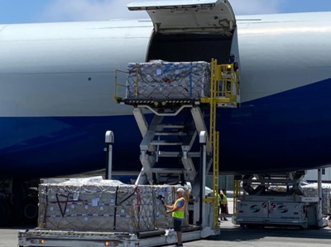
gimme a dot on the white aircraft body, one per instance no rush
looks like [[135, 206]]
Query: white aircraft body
[[57, 88]]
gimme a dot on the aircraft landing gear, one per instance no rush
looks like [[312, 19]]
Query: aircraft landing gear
[[5, 212], [30, 210]]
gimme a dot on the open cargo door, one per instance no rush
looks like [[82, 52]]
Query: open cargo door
[[189, 16], [191, 30]]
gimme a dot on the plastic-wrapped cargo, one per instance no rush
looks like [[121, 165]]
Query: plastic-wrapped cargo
[[158, 79], [104, 206], [311, 190]]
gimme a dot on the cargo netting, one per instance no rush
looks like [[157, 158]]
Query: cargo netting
[[160, 80], [105, 205]]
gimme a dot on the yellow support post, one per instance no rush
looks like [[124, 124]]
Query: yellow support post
[[236, 195], [222, 94], [116, 96], [214, 138], [216, 181]]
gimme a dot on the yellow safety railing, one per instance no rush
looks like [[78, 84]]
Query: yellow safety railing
[[227, 85], [116, 97]]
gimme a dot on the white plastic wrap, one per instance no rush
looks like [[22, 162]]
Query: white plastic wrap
[[168, 80], [311, 190], [82, 205]]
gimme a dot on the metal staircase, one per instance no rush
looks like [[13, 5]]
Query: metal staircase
[[166, 141]]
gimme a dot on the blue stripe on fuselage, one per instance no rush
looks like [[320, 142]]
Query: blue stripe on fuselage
[[290, 130]]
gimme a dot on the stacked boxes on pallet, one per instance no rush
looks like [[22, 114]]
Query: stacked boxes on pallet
[[168, 80], [104, 206]]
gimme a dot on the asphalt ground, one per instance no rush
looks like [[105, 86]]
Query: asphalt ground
[[231, 235]]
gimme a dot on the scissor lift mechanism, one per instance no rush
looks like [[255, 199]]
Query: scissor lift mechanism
[[224, 93]]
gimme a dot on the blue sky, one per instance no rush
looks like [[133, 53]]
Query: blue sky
[[27, 11]]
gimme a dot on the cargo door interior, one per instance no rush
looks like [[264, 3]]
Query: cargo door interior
[[190, 30]]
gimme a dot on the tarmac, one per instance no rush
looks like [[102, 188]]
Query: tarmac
[[231, 235]]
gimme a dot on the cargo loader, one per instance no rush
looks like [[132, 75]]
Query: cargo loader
[[281, 200], [101, 213]]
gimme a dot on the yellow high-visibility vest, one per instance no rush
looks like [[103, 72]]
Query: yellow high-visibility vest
[[224, 200], [179, 213]]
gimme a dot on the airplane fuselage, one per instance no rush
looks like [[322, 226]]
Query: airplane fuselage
[[57, 88]]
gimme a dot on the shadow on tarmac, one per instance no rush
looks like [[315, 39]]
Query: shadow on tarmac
[[236, 233], [22, 226]]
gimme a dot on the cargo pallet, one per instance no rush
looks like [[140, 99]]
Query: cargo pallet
[[51, 238]]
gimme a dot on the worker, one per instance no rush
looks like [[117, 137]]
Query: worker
[[177, 210], [232, 59], [224, 204]]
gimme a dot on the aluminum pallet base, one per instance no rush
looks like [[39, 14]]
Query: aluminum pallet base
[[48, 238]]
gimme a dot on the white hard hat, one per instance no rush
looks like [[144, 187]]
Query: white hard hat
[[180, 190]]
